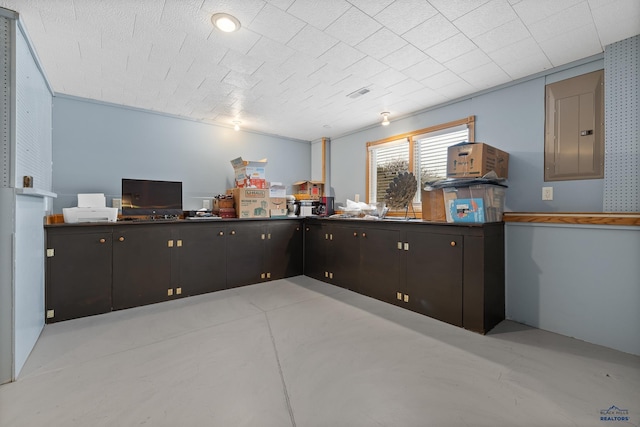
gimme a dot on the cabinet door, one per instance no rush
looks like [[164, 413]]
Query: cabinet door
[[343, 256], [141, 265], [315, 251], [283, 257], [78, 275], [202, 258], [245, 250], [434, 275], [379, 263]]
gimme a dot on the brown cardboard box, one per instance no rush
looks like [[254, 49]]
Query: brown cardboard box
[[433, 206], [251, 202], [308, 190], [475, 159]]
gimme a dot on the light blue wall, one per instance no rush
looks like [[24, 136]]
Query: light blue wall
[[96, 145], [583, 280], [29, 281], [576, 280], [511, 119]]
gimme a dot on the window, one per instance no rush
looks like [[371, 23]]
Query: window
[[386, 160], [423, 152]]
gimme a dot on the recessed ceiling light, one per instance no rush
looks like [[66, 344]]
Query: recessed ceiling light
[[236, 125], [225, 22]]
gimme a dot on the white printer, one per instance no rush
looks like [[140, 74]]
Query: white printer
[[92, 207]]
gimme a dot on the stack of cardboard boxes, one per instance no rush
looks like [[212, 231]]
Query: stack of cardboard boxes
[[253, 195], [461, 199]]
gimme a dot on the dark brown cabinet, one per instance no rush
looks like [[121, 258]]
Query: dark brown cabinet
[[245, 254], [142, 265], [284, 249], [94, 269], [433, 281], [263, 250], [315, 250], [453, 273], [343, 256], [361, 258], [379, 263], [202, 258], [80, 263]]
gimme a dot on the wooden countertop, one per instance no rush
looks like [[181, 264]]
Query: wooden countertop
[[593, 218]]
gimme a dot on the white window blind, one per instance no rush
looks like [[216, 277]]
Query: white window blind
[[430, 152]]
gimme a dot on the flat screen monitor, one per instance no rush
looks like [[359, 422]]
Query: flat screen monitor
[[147, 197]]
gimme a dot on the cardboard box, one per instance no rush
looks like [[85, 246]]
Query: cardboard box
[[491, 198], [308, 190], [251, 183], [433, 208], [475, 159], [251, 202], [249, 170]]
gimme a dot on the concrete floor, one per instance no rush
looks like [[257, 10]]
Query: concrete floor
[[299, 352]]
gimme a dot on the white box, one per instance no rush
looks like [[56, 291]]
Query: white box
[[277, 190]]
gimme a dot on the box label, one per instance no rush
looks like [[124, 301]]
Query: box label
[[467, 210], [251, 202]]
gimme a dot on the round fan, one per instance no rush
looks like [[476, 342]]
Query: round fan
[[401, 191]]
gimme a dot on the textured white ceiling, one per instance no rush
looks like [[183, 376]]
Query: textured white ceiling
[[289, 69]]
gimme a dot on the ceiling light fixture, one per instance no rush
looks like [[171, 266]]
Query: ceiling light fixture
[[236, 125], [385, 118], [225, 22]]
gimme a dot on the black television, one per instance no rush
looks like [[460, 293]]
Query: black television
[[154, 198]]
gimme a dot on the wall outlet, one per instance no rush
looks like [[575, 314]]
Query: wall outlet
[[206, 204], [116, 203], [547, 193]]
